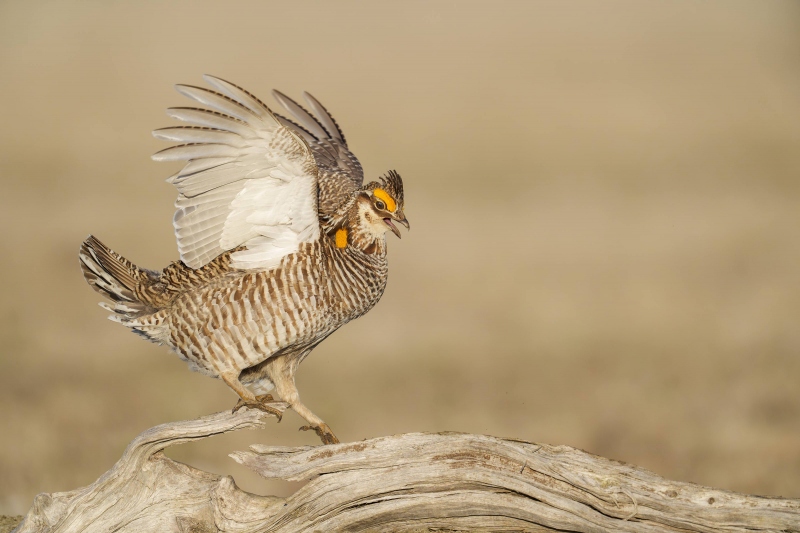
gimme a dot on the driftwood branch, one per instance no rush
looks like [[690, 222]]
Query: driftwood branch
[[413, 482]]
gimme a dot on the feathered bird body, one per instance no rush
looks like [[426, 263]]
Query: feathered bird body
[[222, 320], [280, 244]]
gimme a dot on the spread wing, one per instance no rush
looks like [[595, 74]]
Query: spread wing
[[340, 173], [248, 180]]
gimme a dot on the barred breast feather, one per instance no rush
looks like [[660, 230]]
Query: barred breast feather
[[238, 320]]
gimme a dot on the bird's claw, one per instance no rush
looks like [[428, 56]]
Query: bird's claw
[[323, 432], [259, 404]]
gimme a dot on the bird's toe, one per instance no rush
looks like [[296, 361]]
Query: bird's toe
[[259, 404], [324, 433]]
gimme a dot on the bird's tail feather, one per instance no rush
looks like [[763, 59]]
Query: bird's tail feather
[[114, 277], [118, 279]]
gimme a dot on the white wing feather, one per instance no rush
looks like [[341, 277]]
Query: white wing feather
[[248, 180]]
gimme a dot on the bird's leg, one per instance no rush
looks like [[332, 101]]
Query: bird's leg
[[248, 399], [287, 390], [322, 429]]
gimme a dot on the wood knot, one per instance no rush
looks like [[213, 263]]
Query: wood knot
[[188, 524]]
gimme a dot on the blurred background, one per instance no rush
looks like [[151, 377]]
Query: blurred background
[[606, 227]]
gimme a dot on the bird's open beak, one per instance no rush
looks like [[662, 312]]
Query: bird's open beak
[[403, 221]]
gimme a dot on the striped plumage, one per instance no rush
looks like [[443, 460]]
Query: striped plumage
[[280, 244]]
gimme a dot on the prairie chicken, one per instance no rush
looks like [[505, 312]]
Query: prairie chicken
[[280, 244]]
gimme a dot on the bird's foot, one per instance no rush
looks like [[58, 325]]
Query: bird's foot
[[261, 404], [324, 432]]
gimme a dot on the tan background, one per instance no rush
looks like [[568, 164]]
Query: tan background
[[604, 201]]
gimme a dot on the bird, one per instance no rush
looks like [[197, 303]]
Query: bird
[[280, 241]]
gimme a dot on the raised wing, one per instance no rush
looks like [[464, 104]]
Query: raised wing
[[340, 173], [248, 180]]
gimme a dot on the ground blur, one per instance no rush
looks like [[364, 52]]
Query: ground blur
[[606, 228]]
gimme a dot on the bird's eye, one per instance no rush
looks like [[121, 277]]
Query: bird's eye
[[380, 205]]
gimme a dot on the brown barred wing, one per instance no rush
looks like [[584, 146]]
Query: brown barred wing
[[340, 172]]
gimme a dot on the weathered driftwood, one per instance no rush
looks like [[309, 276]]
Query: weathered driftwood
[[413, 482]]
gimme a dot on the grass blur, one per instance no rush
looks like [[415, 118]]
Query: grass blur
[[604, 200]]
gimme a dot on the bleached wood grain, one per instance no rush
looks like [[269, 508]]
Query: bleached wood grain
[[411, 482]]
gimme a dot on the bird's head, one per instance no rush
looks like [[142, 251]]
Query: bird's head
[[381, 205]]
